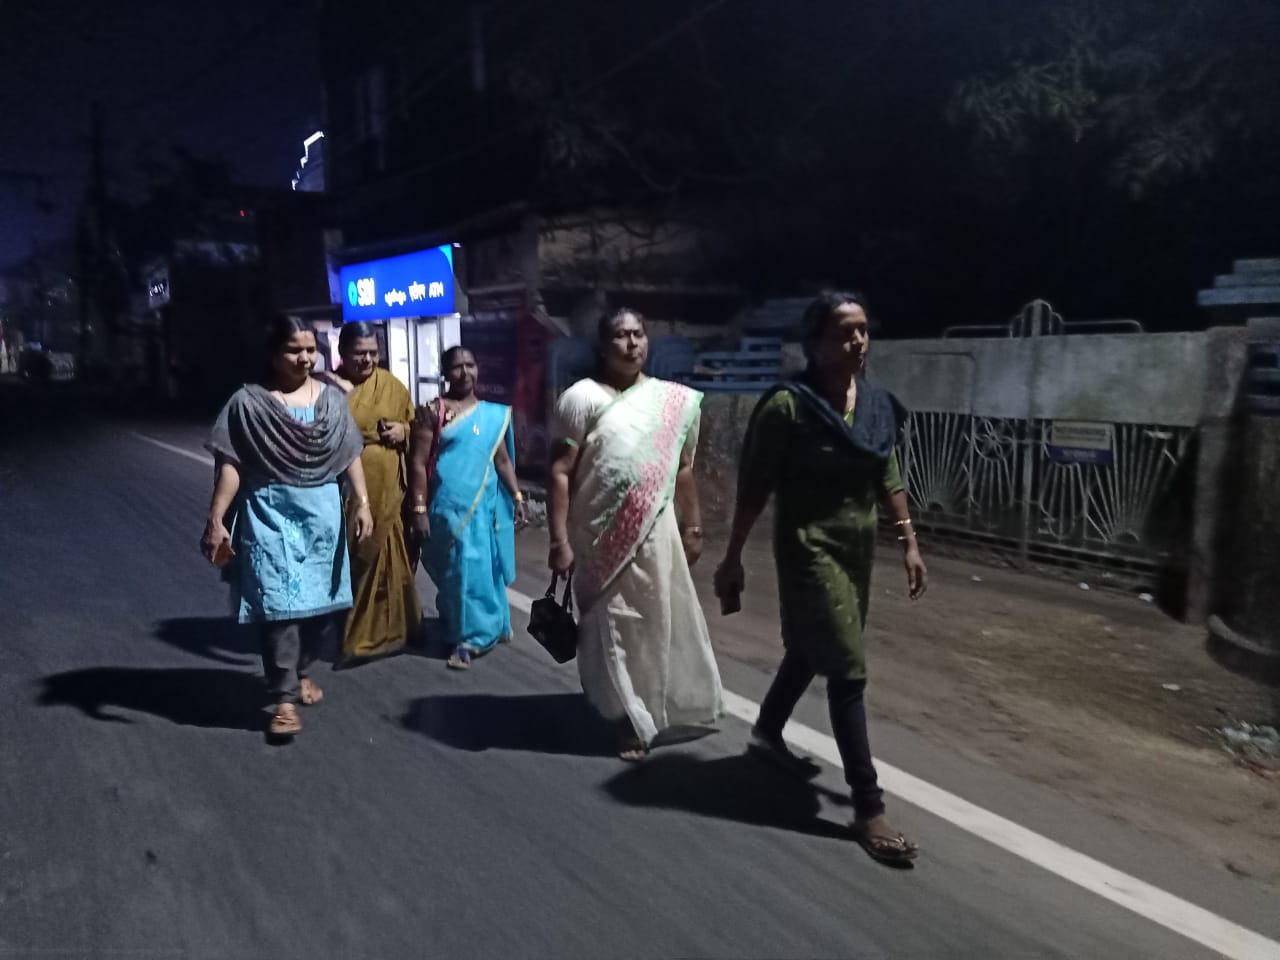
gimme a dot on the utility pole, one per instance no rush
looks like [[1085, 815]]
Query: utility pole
[[91, 234]]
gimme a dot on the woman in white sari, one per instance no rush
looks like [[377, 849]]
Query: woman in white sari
[[624, 446]]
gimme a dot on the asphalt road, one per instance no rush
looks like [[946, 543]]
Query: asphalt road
[[429, 814]]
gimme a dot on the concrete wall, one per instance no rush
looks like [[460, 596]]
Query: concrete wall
[[1190, 380], [724, 420], [1159, 378]]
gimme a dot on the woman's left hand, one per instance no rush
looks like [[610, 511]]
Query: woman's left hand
[[522, 515], [363, 523], [393, 435], [917, 575], [692, 542]]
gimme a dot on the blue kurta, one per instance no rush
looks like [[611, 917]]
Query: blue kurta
[[291, 549]]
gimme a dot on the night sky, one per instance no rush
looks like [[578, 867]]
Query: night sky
[[235, 80]]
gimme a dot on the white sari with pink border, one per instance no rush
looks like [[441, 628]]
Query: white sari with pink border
[[644, 650]]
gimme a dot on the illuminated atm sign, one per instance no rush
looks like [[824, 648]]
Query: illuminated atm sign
[[413, 285]]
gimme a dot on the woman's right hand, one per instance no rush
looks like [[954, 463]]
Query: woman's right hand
[[362, 524], [730, 578], [560, 559], [215, 535], [421, 527]]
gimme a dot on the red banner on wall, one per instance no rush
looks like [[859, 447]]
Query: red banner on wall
[[510, 347]]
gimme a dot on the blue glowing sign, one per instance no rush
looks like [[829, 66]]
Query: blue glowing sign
[[413, 285]]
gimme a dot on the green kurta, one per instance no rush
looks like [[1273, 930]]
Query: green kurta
[[826, 511]]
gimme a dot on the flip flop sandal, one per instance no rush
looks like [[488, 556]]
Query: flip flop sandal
[[632, 751], [311, 694], [895, 851], [285, 724], [777, 753], [459, 660]]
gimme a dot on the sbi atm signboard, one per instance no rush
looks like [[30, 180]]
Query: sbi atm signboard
[[413, 285]]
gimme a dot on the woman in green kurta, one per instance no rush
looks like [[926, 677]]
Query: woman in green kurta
[[823, 446]]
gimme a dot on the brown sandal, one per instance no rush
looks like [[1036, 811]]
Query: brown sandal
[[892, 851], [311, 694], [285, 722]]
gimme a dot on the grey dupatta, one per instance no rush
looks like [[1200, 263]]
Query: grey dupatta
[[257, 433]]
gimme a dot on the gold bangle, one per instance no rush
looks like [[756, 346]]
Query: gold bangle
[[903, 523], [519, 497], [420, 508]]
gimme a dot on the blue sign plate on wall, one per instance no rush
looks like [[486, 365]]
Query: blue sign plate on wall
[[416, 284]]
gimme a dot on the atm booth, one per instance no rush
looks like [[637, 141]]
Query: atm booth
[[410, 300]]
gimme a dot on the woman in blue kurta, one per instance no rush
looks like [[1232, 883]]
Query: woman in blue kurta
[[276, 522], [467, 510]]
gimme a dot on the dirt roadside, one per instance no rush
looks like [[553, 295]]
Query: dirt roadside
[[1060, 685]]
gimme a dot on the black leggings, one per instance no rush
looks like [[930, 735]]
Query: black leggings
[[289, 647], [848, 724]]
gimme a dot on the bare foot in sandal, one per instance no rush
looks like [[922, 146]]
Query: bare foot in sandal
[[311, 694], [632, 751], [883, 843], [285, 722]]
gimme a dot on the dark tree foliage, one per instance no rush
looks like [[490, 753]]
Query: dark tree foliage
[[954, 159]]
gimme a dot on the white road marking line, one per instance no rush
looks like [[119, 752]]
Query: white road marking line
[[190, 455], [1172, 913], [1150, 902]]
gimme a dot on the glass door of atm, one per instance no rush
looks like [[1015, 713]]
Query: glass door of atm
[[427, 380], [399, 357]]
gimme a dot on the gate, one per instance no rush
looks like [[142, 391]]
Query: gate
[[1005, 481], [999, 480]]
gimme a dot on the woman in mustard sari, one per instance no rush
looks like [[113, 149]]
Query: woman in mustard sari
[[467, 510], [386, 610], [625, 520]]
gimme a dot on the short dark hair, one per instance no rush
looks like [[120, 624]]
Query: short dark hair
[[351, 332], [449, 356], [276, 334], [279, 330], [816, 316], [604, 329]]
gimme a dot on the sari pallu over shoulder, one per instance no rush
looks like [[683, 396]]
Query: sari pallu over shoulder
[[382, 397], [465, 480], [626, 477]]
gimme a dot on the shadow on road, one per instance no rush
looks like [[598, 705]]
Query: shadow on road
[[556, 723], [223, 640], [215, 638], [226, 699], [430, 641], [740, 789]]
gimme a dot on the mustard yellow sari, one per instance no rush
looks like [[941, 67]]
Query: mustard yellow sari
[[386, 609]]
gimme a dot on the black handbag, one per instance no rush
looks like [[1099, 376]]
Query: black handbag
[[551, 622]]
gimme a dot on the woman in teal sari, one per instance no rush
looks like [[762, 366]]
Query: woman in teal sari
[[466, 511]]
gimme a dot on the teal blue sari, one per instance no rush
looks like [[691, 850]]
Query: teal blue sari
[[471, 556]]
